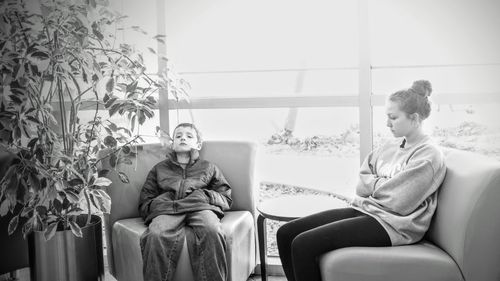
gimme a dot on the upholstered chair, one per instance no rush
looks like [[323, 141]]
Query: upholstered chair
[[462, 244], [123, 226]]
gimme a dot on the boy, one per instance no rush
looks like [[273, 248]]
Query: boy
[[184, 196]]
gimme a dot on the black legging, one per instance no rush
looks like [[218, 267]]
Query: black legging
[[302, 241]]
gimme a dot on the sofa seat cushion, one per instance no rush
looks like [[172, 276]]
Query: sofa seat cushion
[[237, 225], [422, 261]]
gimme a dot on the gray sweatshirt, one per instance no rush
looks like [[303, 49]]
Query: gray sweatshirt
[[398, 187]]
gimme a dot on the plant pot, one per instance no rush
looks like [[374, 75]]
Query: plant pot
[[14, 253], [66, 257]]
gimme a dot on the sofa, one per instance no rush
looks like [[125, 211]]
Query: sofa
[[123, 226], [463, 241]]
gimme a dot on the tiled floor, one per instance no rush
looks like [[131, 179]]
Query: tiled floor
[[24, 275]]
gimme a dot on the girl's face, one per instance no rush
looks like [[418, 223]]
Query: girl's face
[[185, 139], [398, 121]]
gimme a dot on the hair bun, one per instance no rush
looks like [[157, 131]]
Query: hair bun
[[422, 87]]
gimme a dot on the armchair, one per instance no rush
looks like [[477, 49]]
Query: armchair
[[123, 226], [462, 243]]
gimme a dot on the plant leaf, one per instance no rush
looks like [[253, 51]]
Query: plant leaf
[[102, 173], [112, 160], [75, 228], [13, 224], [123, 177], [102, 181], [50, 231], [4, 207]]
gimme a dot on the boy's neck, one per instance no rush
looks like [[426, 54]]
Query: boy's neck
[[183, 157]]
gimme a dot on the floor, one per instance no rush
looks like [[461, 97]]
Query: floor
[[24, 275]]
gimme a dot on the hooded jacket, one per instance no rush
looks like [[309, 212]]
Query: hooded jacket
[[170, 189]]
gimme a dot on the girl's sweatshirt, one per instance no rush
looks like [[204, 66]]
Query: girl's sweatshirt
[[398, 187]]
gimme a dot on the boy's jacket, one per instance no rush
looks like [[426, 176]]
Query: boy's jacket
[[169, 189]]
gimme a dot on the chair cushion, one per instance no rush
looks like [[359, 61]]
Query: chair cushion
[[417, 262], [237, 225]]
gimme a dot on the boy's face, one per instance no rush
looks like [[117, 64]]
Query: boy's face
[[185, 139]]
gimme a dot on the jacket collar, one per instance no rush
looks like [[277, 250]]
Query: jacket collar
[[194, 155]]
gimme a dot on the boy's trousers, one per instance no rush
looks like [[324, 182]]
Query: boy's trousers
[[162, 243]]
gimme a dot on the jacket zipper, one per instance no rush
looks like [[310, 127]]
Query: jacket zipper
[[181, 186]]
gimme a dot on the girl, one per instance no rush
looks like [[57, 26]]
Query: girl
[[395, 199]]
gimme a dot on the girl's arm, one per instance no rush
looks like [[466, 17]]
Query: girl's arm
[[368, 178]]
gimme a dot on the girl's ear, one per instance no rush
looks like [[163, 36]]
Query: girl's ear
[[415, 117]]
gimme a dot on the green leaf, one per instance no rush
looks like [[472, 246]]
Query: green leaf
[[75, 182], [4, 207], [114, 108], [72, 196], [103, 200], [142, 117], [97, 32], [13, 224], [34, 181], [102, 181], [110, 142], [16, 99], [131, 87], [50, 231], [32, 142], [102, 173], [57, 205], [123, 177], [103, 194], [75, 228], [126, 149], [110, 84], [41, 210], [124, 160], [112, 160], [26, 211], [33, 119], [112, 126]]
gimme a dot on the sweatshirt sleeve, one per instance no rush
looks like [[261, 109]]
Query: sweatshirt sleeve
[[219, 191], [148, 193], [368, 178], [408, 189]]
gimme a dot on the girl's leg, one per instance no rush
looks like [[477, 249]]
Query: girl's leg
[[287, 233], [308, 246]]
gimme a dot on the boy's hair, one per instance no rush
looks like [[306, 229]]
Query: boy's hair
[[192, 126]]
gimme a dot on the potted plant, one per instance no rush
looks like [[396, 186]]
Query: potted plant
[[58, 56]]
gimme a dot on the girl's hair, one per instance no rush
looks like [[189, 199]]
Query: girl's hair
[[192, 126], [415, 99]]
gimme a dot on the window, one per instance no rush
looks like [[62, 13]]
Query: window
[[463, 66]]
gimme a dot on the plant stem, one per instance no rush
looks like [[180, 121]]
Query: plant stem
[[93, 123], [62, 113], [88, 206]]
